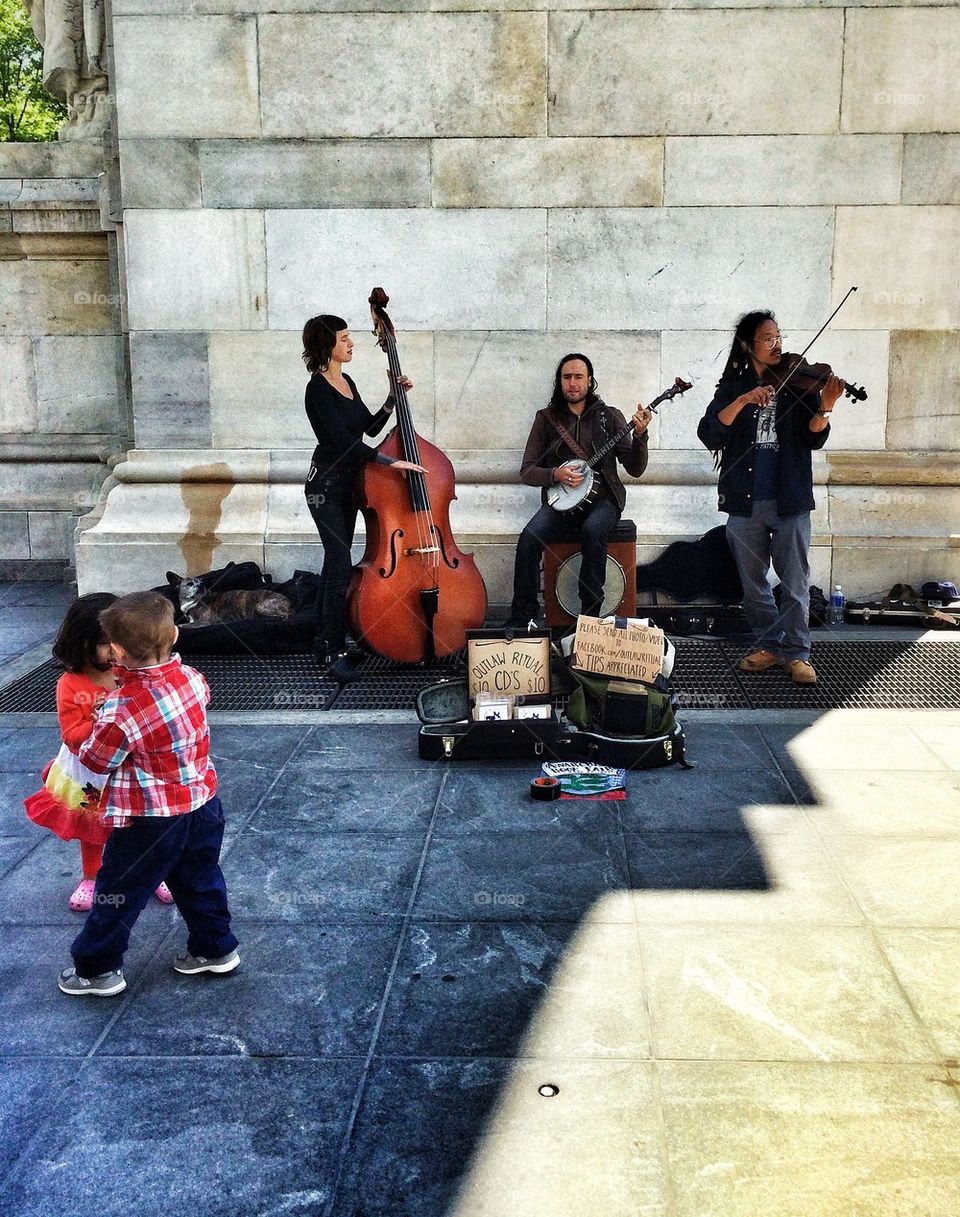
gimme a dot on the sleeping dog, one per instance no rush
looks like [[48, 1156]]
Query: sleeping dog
[[216, 608]]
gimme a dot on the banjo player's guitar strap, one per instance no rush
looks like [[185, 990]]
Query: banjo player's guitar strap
[[579, 451]]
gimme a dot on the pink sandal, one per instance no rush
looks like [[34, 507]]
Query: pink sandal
[[163, 894], [82, 899]]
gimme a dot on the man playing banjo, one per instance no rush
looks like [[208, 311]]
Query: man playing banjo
[[578, 503]]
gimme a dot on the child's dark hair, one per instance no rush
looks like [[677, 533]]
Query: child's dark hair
[[319, 339], [142, 623], [75, 645]]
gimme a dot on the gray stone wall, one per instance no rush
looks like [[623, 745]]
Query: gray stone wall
[[527, 178], [61, 359]]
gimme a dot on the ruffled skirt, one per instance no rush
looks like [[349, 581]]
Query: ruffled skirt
[[69, 803]]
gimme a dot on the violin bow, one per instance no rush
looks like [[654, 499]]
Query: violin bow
[[796, 368]]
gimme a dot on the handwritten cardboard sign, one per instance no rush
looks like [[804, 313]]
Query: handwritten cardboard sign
[[518, 667], [632, 653]]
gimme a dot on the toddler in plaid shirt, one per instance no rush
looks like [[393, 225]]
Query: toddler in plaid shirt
[[152, 744]]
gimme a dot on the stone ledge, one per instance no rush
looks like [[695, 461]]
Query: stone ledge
[[893, 469], [76, 159], [70, 245]]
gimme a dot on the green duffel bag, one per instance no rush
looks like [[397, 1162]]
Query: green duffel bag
[[626, 709]]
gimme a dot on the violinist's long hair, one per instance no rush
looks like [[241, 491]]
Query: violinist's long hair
[[319, 339], [558, 403], [743, 339]]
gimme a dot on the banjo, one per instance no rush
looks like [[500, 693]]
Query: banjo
[[567, 498]]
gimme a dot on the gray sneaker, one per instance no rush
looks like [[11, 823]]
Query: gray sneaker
[[190, 965], [107, 985]]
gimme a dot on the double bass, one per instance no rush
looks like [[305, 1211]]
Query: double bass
[[415, 593]]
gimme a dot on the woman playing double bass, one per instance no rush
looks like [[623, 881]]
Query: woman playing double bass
[[340, 420]]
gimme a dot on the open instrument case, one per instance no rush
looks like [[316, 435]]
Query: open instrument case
[[502, 664]]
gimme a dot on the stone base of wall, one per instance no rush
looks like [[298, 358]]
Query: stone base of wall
[[180, 511], [61, 356]]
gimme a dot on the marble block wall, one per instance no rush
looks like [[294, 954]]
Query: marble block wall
[[61, 360], [526, 179]]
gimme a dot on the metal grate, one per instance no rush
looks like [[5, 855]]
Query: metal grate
[[385, 685], [704, 678], [868, 674]]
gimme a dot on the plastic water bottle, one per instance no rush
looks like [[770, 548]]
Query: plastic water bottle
[[837, 605]]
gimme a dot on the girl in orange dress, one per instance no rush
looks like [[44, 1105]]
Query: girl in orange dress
[[69, 803]]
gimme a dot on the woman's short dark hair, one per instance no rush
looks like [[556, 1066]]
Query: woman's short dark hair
[[75, 645], [557, 400], [743, 339], [319, 339]]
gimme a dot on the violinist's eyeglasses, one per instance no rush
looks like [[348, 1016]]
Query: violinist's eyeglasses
[[771, 341]]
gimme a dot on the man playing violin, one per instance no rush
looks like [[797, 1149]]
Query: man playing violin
[[575, 425], [763, 439]]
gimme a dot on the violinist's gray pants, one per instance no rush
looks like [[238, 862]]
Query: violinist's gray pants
[[756, 541]]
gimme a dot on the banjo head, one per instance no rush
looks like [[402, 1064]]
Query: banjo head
[[565, 498]]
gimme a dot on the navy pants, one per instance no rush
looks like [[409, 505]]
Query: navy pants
[[184, 852], [333, 507], [591, 530]]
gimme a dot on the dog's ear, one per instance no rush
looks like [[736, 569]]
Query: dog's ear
[[173, 579]]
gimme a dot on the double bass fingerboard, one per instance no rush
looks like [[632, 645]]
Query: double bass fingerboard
[[419, 496]]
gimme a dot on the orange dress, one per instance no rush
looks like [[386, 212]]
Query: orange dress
[[69, 803]]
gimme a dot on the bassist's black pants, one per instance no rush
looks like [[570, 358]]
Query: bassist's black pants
[[334, 510]]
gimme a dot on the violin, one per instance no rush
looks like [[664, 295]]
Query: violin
[[802, 377]]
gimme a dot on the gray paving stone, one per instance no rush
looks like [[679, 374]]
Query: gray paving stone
[[265, 745], [217, 1139], [297, 992], [469, 989], [376, 746], [308, 797], [30, 1092], [36, 1019], [14, 788], [474, 801], [417, 1124], [36, 888], [695, 862], [281, 874], [242, 786], [28, 748], [704, 800], [530, 876]]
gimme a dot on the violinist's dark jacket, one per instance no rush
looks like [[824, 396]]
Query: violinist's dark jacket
[[735, 445]]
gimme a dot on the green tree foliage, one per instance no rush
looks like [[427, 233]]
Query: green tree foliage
[[27, 112]]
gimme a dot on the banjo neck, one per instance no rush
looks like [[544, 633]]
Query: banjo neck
[[678, 386]]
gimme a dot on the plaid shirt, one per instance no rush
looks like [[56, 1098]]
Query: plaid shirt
[[151, 739]]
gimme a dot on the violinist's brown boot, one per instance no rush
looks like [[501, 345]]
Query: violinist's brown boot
[[801, 672], [760, 661]]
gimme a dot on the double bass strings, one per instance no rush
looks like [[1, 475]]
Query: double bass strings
[[419, 494]]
